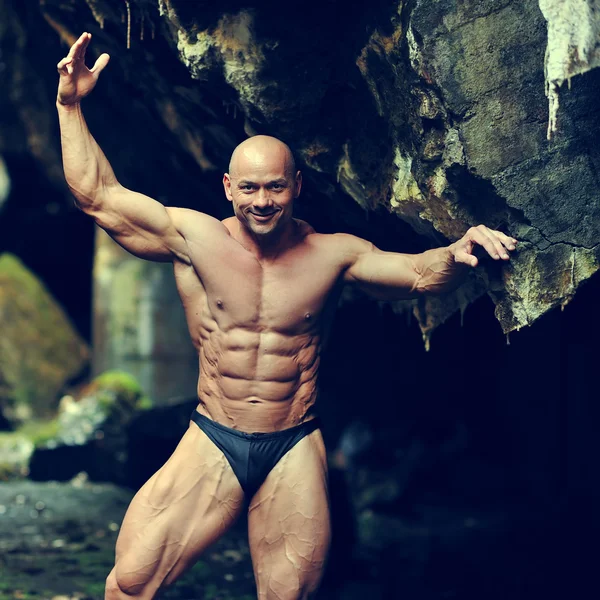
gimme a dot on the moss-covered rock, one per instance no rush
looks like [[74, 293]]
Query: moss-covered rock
[[39, 348], [17, 447], [92, 431], [120, 386]]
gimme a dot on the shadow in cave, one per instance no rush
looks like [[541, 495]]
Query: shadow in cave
[[494, 445]]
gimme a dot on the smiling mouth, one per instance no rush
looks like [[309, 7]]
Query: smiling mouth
[[263, 216]]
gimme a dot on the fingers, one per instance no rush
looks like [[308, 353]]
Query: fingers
[[77, 51], [509, 242], [495, 243], [102, 61], [86, 42], [75, 55], [62, 65], [464, 257]]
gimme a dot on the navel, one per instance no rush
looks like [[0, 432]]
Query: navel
[[307, 316], [219, 303]]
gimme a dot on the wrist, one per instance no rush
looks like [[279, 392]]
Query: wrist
[[451, 249], [459, 267], [73, 106]]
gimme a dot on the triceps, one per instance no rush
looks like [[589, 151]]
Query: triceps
[[388, 276]]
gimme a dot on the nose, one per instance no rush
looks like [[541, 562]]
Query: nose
[[262, 198]]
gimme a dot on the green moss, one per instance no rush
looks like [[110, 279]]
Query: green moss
[[29, 286], [125, 385], [46, 348], [10, 265], [144, 403], [119, 381], [16, 446], [38, 432]]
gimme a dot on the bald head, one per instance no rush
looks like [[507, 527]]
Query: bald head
[[263, 150], [263, 184]]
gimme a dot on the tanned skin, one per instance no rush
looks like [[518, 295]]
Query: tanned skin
[[258, 289]]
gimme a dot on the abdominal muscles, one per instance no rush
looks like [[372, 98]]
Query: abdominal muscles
[[257, 381]]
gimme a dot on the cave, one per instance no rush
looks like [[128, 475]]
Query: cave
[[470, 416]]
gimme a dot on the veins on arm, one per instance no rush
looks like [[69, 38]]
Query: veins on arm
[[396, 276], [142, 225]]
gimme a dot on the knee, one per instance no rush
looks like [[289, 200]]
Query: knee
[[285, 583], [112, 591], [121, 585]]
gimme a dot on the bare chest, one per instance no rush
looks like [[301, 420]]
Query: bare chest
[[288, 295]]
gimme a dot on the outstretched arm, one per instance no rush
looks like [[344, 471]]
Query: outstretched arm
[[140, 224], [395, 276]]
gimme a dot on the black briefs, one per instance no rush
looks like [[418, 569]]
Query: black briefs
[[252, 455]]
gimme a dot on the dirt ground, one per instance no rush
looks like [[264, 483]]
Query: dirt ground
[[57, 542]]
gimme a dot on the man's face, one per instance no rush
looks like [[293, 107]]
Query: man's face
[[262, 188]]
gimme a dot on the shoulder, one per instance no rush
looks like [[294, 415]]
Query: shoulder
[[345, 243], [182, 216], [347, 248], [192, 223], [304, 228]]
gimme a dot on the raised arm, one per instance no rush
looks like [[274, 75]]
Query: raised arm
[[395, 276], [140, 224]]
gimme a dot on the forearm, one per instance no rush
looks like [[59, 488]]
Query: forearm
[[395, 276], [87, 170], [437, 271]]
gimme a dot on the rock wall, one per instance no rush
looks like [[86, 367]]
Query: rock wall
[[573, 45], [139, 323], [434, 113]]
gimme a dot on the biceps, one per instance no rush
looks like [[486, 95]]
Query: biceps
[[139, 224]]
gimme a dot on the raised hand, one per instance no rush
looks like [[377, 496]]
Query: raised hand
[[495, 242], [76, 80]]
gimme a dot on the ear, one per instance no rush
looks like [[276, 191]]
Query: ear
[[227, 186], [298, 183]]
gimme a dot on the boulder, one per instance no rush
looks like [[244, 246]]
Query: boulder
[[91, 432], [40, 351], [111, 432]]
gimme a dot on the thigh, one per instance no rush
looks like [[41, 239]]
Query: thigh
[[289, 525], [184, 507]]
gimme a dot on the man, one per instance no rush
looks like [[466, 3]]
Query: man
[[257, 290]]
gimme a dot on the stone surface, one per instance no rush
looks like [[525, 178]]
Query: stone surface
[[17, 447], [39, 349], [573, 45], [433, 112], [139, 324], [91, 432], [487, 64]]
